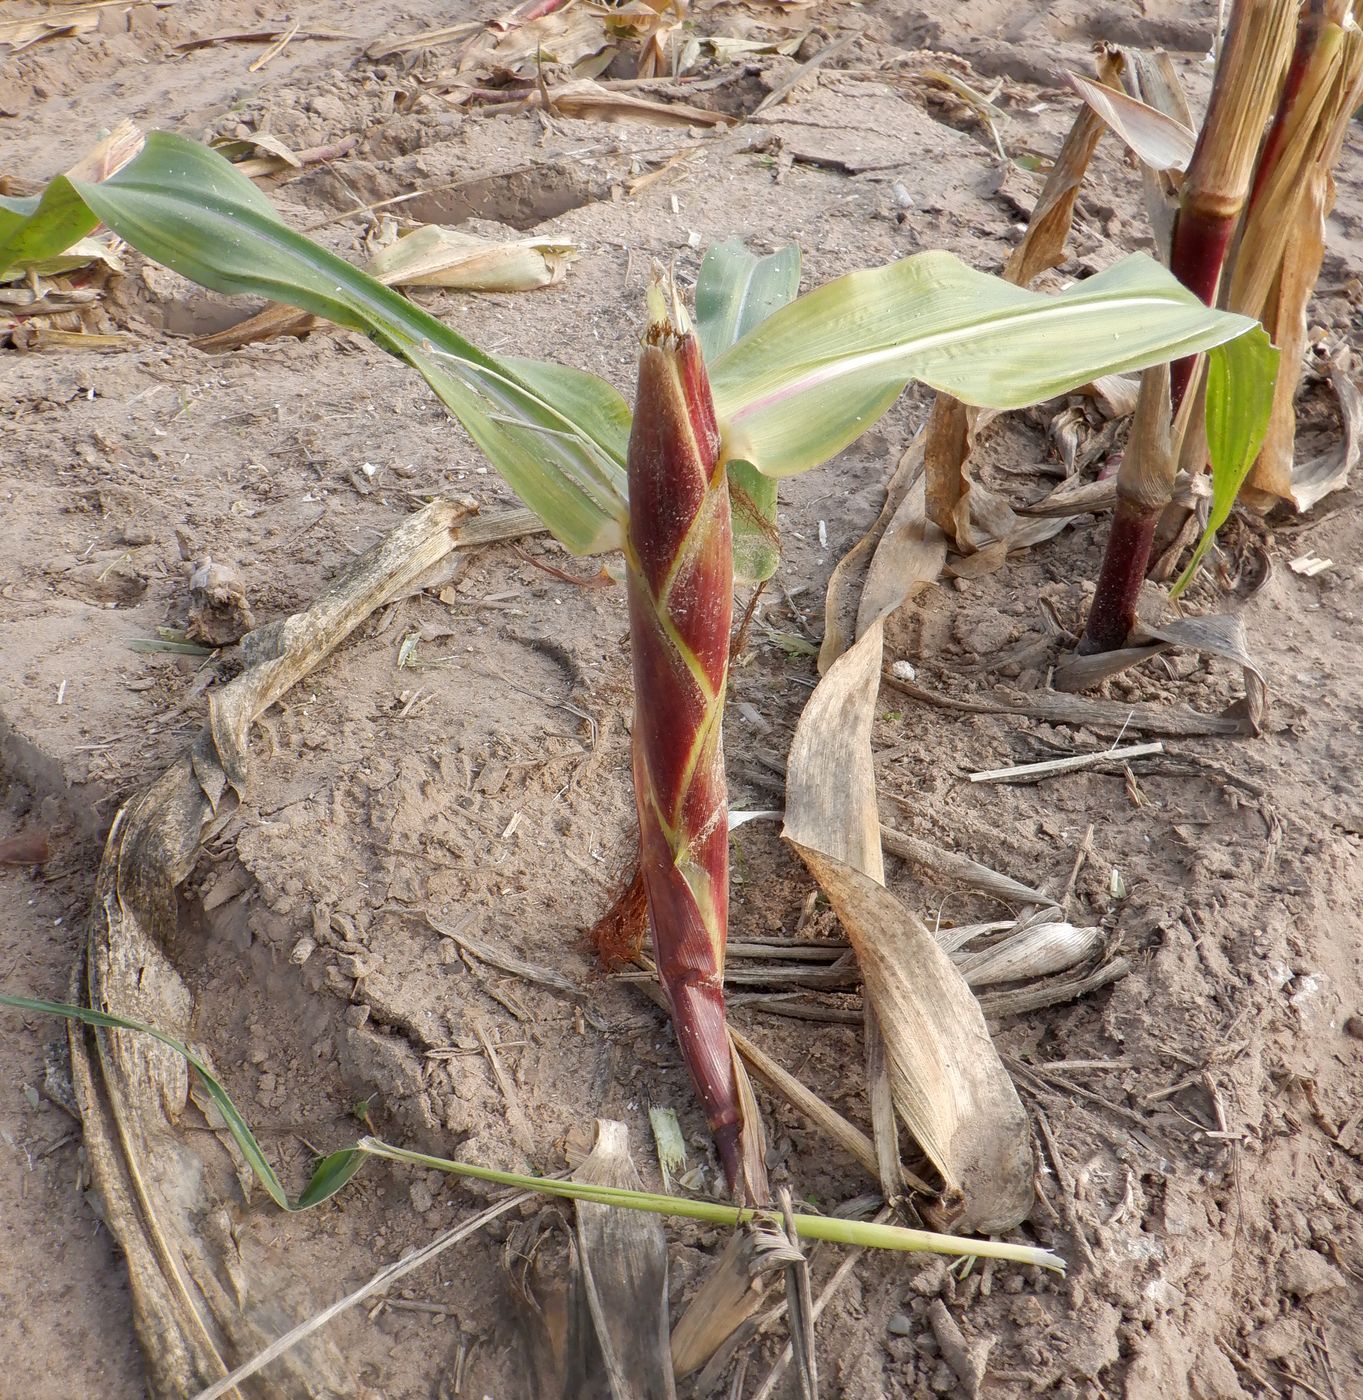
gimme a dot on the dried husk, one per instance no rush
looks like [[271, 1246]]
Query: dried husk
[[1282, 242], [1249, 75], [622, 1351], [950, 1088], [732, 1292], [434, 256], [1041, 950]]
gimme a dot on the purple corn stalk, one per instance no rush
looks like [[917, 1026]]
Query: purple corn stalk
[[679, 560], [1249, 76]]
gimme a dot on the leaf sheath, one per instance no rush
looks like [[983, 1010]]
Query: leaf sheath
[[680, 574]]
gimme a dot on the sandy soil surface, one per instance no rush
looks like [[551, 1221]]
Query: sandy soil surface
[[1200, 1148]]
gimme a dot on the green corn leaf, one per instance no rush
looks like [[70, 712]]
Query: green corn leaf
[[331, 1174], [36, 230], [735, 292], [1241, 377], [186, 207], [815, 376], [757, 539]]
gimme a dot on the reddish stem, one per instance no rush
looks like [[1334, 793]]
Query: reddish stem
[[1198, 253], [1309, 30], [1113, 612]]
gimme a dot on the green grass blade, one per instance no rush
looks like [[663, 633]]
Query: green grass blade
[[186, 207], [813, 377], [331, 1174], [735, 292], [1241, 377], [866, 1234]]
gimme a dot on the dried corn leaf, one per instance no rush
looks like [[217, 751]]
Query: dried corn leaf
[[1282, 243], [581, 36], [79, 254], [880, 1099], [589, 101], [950, 1088], [1159, 141], [261, 153], [1102, 716], [1316, 477], [68, 21], [109, 155], [732, 1292], [430, 256], [847, 586], [260, 36], [849, 1137], [972, 517], [1222, 636], [540, 1259], [957, 869], [1116, 393], [832, 819], [1048, 228], [425, 39], [623, 1348], [1152, 80], [163, 1190], [1039, 950], [1055, 991], [510, 48], [434, 256], [830, 774], [34, 335]]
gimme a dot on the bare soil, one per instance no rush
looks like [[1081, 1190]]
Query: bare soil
[[1200, 1148]]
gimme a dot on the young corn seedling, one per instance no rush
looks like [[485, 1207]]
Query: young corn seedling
[[789, 394], [679, 557]]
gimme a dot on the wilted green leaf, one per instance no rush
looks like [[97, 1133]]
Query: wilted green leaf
[[36, 230], [186, 207], [334, 1171]]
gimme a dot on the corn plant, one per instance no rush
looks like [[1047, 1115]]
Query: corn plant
[[781, 393], [1248, 234]]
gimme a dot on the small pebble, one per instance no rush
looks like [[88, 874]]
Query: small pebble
[[900, 1325], [1354, 1027]]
